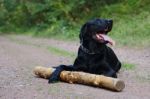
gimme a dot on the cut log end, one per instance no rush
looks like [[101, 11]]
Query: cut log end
[[43, 71], [120, 85]]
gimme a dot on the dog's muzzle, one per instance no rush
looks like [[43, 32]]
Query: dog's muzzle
[[102, 38]]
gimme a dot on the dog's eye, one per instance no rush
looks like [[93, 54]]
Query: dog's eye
[[100, 32]]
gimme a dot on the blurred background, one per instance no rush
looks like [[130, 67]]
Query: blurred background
[[62, 19]]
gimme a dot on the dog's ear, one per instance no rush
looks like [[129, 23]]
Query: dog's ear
[[83, 31]]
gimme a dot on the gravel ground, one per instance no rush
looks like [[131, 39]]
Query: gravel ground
[[20, 54]]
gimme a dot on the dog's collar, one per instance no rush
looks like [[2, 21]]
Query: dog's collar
[[86, 50]]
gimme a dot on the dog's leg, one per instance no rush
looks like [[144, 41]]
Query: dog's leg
[[55, 75], [110, 72], [113, 60], [105, 69]]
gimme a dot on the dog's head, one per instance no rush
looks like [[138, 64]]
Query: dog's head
[[97, 30]]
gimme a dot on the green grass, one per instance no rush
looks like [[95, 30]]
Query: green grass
[[128, 30], [61, 52], [131, 24], [128, 66], [133, 30]]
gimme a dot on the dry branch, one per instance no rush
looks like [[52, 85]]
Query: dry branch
[[83, 78]]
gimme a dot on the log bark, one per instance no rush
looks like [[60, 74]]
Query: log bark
[[83, 78]]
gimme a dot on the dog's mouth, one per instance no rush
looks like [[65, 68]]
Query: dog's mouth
[[103, 38]]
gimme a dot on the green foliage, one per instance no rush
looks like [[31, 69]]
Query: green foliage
[[63, 18]]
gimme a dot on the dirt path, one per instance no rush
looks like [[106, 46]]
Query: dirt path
[[20, 54]]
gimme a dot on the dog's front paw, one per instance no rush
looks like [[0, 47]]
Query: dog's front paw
[[114, 76], [53, 79], [55, 75]]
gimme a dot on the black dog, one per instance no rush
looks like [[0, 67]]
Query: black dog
[[94, 56]]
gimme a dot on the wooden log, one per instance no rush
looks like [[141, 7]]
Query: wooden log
[[83, 78]]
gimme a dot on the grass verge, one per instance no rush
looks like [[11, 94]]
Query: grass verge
[[61, 52], [128, 66], [52, 49]]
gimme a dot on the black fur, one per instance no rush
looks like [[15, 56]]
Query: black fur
[[100, 59]]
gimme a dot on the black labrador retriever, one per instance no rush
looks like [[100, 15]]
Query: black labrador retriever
[[94, 56]]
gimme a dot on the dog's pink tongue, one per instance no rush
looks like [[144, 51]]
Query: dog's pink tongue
[[106, 38]]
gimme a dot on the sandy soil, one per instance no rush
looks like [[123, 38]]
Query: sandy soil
[[20, 54]]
